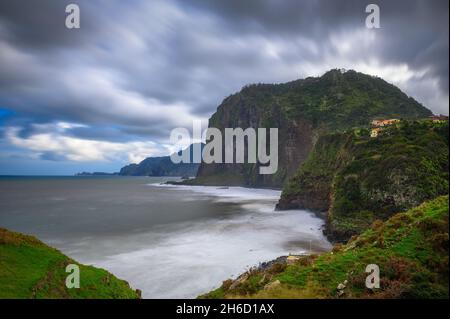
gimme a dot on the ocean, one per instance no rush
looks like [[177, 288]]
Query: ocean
[[168, 241]]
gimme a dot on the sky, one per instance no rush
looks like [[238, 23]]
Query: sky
[[109, 93]]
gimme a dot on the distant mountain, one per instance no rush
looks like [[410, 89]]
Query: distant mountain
[[302, 110], [95, 174], [161, 166]]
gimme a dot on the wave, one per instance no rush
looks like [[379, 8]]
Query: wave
[[191, 258]]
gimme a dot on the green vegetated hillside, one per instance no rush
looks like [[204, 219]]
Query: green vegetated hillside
[[31, 269], [410, 248], [303, 110], [357, 179]]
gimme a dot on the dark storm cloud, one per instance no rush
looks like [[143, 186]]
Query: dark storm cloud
[[415, 32], [286, 17], [137, 69], [40, 24]]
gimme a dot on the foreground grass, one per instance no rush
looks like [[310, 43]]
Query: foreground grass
[[411, 250], [31, 269]]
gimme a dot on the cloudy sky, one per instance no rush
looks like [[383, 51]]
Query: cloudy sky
[[109, 93]]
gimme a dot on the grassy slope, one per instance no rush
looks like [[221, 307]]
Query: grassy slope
[[31, 269], [359, 179], [410, 248]]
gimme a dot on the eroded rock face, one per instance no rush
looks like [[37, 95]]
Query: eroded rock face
[[295, 142], [310, 187]]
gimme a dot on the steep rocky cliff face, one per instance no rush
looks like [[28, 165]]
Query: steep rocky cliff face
[[302, 111], [357, 179], [295, 141], [310, 187]]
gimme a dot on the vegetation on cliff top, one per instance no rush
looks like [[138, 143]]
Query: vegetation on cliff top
[[359, 179], [31, 269], [337, 99], [349, 99], [410, 248]]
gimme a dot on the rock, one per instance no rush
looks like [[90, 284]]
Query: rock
[[272, 285], [292, 259], [340, 293], [239, 281], [350, 246], [341, 286], [107, 279], [139, 293], [268, 264]]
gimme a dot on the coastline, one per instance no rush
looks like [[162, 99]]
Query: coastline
[[175, 243]]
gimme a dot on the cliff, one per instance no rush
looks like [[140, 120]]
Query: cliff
[[357, 179], [31, 269], [303, 110], [410, 249], [160, 166]]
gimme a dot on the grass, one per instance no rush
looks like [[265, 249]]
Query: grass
[[411, 249], [31, 269]]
